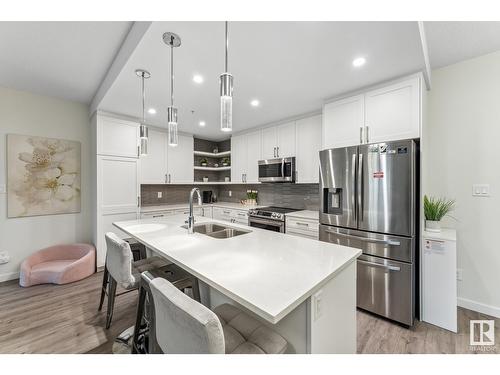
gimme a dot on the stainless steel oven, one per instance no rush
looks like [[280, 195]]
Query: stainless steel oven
[[270, 218], [277, 170]]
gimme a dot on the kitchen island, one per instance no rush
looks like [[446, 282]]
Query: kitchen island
[[304, 289]]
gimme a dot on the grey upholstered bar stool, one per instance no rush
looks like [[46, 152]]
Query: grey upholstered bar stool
[[123, 271], [185, 326]]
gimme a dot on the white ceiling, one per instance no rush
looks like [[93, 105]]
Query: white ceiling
[[451, 42], [291, 67], [61, 59]]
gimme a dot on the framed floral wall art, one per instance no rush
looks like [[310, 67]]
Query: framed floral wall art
[[43, 176]]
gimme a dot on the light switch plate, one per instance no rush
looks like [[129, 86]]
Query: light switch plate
[[3, 189], [481, 190], [160, 194]]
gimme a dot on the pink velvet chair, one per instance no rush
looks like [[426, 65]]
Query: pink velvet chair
[[61, 264]]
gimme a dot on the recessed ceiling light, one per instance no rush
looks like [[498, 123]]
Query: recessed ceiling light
[[202, 123], [357, 62], [152, 111], [197, 78], [255, 103]]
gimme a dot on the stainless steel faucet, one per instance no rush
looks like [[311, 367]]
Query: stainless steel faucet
[[190, 221]]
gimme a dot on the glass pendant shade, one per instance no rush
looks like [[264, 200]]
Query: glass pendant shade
[[144, 146], [226, 102], [172, 126], [143, 131]]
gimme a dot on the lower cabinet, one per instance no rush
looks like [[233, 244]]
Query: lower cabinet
[[308, 228], [231, 215]]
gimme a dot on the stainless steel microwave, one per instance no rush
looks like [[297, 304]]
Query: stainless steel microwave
[[277, 170]]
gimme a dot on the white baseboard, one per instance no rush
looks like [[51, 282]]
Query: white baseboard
[[9, 276], [479, 307]]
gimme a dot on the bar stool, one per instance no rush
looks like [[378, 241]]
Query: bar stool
[[184, 325], [144, 338], [123, 271]]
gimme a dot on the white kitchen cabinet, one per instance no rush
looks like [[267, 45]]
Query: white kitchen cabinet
[[117, 137], [220, 213], [285, 142], [308, 145], [230, 215], [388, 113], [278, 141], [254, 154], [302, 227], [393, 112], [245, 154], [238, 158], [180, 161], [154, 164], [156, 214], [343, 121], [117, 197]]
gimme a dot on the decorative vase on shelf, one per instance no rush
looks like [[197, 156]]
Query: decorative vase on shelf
[[433, 226], [205, 179]]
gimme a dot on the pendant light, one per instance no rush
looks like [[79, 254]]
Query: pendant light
[[226, 94], [143, 129], [172, 40]]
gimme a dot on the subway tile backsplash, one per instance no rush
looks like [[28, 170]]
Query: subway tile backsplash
[[301, 196]]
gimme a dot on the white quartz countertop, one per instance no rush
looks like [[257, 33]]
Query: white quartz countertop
[[267, 272], [181, 206], [304, 214]]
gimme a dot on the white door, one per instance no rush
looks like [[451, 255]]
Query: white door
[[343, 121], [393, 112], [308, 146], [238, 158], [117, 137], [286, 140], [254, 154], [180, 161], [154, 164], [269, 143]]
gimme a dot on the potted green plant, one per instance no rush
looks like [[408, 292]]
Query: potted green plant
[[252, 197], [204, 162], [225, 162], [434, 210]]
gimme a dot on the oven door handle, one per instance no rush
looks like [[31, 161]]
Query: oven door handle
[[283, 168], [384, 266], [365, 239], [253, 219]]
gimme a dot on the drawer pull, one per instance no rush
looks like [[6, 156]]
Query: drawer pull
[[158, 216], [304, 224], [227, 212], [371, 264]]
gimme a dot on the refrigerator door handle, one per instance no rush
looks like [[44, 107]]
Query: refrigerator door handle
[[353, 194], [371, 264], [365, 239], [360, 188]]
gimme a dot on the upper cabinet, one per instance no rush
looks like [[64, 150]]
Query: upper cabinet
[[343, 122], [393, 112], [308, 145], [245, 154], [278, 141], [180, 160], [167, 164], [384, 114], [117, 137]]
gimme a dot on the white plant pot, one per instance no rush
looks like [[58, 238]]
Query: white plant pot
[[433, 226]]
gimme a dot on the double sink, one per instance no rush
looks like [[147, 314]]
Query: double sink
[[217, 230]]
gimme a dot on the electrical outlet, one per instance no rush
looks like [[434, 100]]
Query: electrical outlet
[[160, 194], [3, 189], [459, 274], [230, 193], [4, 257], [481, 190]]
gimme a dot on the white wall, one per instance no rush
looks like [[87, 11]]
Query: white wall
[[26, 113], [461, 147]]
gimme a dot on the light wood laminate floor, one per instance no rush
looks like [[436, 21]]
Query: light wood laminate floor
[[64, 319]]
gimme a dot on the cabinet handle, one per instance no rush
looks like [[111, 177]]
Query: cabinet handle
[[242, 178], [138, 201], [138, 151], [274, 151], [227, 212], [367, 134], [154, 216], [169, 178], [304, 224], [166, 178], [278, 151], [360, 135]]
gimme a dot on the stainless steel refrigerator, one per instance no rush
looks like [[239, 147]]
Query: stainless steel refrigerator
[[368, 201]]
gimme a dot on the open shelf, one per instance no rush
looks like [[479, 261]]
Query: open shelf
[[212, 155], [212, 168]]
